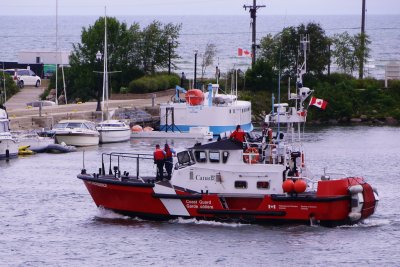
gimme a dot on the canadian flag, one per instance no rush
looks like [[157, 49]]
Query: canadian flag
[[243, 52], [318, 102]]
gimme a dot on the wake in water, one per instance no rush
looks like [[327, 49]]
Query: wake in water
[[369, 223], [105, 214], [204, 222]]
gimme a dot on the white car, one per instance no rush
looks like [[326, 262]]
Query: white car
[[24, 77]]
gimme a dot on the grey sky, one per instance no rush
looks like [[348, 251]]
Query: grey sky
[[195, 7]]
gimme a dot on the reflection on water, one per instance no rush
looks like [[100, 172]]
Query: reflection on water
[[48, 217]]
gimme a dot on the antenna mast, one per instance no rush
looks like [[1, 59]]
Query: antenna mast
[[253, 14]]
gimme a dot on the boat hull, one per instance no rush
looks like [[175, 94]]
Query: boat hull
[[219, 118], [114, 135], [77, 139], [161, 202], [8, 149]]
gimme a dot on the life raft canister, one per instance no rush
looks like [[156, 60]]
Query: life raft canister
[[252, 155], [194, 97]]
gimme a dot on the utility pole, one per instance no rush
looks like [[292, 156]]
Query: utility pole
[[195, 69], [253, 15], [361, 67]]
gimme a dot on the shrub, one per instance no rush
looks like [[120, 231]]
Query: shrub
[[11, 86], [148, 84]]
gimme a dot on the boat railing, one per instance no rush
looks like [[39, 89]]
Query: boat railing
[[264, 153], [118, 156]]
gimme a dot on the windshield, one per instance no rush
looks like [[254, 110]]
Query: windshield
[[60, 125], [3, 126], [73, 125]]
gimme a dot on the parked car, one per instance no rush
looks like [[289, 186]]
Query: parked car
[[24, 77]]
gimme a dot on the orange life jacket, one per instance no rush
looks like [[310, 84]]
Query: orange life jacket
[[238, 135], [168, 153], [158, 154]]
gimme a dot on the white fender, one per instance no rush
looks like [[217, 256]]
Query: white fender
[[355, 189], [357, 202]]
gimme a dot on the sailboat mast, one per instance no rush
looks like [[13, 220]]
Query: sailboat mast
[[105, 71], [56, 52]]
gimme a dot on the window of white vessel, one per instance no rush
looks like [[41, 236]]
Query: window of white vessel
[[240, 184], [214, 156], [200, 156], [3, 127], [262, 185]]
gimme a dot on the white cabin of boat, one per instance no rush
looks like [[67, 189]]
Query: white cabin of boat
[[225, 168]]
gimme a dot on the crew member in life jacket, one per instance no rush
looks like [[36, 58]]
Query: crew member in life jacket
[[159, 158], [169, 162], [238, 134]]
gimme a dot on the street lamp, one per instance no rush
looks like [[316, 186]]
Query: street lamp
[[195, 68], [98, 59], [169, 55]]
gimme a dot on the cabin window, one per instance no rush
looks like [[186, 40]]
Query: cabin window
[[214, 156], [263, 185], [240, 184], [2, 127], [225, 156], [73, 125], [61, 125], [183, 158], [201, 156]]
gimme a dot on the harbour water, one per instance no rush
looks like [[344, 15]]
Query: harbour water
[[49, 219], [37, 33]]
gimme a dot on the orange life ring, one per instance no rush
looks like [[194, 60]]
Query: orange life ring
[[252, 155]]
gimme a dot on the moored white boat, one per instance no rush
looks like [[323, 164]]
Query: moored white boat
[[33, 140], [218, 111], [76, 133], [8, 144], [112, 131]]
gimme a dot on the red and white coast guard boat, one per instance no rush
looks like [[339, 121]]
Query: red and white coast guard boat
[[266, 181]]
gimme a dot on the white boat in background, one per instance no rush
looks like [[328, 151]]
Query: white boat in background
[[76, 133], [33, 140], [198, 133], [112, 131], [218, 111], [8, 144]]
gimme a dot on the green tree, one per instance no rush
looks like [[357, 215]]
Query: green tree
[[208, 57], [348, 51], [282, 49], [262, 76], [155, 45], [131, 50]]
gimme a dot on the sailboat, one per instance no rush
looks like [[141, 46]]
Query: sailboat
[[111, 131]]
